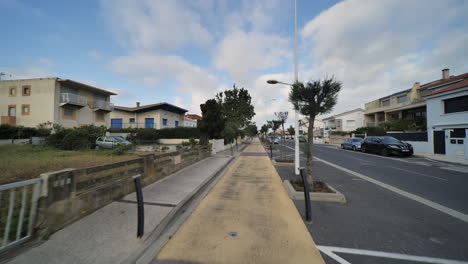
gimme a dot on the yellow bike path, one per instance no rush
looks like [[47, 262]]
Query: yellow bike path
[[246, 218]]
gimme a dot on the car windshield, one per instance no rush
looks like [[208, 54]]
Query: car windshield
[[390, 140], [119, 139], [357, 139]]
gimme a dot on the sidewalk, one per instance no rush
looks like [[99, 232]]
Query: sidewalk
[[109, 234], [246, 218]]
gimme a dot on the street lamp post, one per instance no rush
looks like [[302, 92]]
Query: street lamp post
[[296, 114]]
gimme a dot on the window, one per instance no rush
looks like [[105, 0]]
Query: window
[[100, 116], [458, 133], [350, 122], [176, 123], [402, 99], [455, 105], [386, 102], [12, 91], [12, 110], [164, 122], [132, 120], [25, 109], [68, 113], [26, 90]]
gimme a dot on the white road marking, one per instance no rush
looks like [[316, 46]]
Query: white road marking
[[429, 176], [408, 195], [330, 251]]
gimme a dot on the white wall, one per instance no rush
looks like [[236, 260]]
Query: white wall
[[357, 117], [438, 120], [420, 146]]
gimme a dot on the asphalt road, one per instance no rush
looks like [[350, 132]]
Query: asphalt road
[[423, 216]]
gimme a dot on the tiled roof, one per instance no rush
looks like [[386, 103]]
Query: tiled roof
[[450, 87], [442, 81], [193, 116], [144, 108]]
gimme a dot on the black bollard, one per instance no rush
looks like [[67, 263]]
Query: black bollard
[[306, 194], [140, 205]]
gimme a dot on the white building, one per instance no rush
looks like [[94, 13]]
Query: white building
[[346, 121], [447, 116], [191, 120]]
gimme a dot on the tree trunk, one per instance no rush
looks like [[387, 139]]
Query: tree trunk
[[282, 139], [310, 142]]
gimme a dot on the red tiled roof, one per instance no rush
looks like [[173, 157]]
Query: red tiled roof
[[451, 87], [441, 81], [193, 116]]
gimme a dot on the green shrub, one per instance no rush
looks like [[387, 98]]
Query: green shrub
[[75, 138], [339, 133], [120, 149]]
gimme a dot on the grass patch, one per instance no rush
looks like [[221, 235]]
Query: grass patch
[[317, 186], [22, 162], [284, 160]]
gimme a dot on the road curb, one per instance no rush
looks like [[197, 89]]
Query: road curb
[[171, 222], [314, 196]]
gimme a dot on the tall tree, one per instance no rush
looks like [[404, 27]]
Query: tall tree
[[312, 99], [282, 117], [264, 129], [291, 130], [237, 109], [212, 122], [274, 125]]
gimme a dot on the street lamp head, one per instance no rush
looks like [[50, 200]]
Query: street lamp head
[[272, 81]]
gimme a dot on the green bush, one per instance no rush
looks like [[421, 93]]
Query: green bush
[[75, 138], [339, 133], [120, 149], [151, 134], [11, 132]]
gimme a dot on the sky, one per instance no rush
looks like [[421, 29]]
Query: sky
[[184, 52]]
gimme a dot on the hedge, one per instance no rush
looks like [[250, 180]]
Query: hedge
[[151, 134], [11, 132]]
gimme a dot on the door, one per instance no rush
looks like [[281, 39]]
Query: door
[[149, 122], [439, 142], [116, 123], [12, 111]]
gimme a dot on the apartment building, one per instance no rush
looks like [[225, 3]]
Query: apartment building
[[160, 115], [191, 120], [406, 104], [346, 121], [447, 115], [30, 102]]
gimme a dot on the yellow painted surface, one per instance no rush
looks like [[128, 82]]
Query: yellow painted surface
[[251, 201]]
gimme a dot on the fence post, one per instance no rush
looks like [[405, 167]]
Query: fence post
[[140, 206], [306, 195], [271, 151]]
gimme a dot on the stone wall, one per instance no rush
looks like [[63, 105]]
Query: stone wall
[[71, 194]]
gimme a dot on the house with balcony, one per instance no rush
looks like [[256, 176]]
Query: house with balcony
[[30, 102], [158, 116], [406, 104], [346, 121]]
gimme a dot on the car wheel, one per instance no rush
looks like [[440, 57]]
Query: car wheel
[[342, 146], [354, 148], [363, 149], [384, 152]]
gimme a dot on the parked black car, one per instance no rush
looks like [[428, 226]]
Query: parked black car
[[386, 146]]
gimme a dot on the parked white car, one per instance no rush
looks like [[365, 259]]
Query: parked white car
[[110, 142]]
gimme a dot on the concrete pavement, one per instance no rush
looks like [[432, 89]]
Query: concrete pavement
[[246, 218], [109, 234]]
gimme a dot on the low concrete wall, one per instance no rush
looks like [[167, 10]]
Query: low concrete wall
[[173, 141], [420, 146], [71, 194], [334, 139], [14, 141]]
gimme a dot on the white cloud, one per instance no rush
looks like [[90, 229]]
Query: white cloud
[[150, 69], [39, 68], [380, 47], [155, 24], [241, 54], [95, 55]]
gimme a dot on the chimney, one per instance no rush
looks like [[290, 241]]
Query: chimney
[[445, 74], [138, 104]]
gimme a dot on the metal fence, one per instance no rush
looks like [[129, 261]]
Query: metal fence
[[18, 208]]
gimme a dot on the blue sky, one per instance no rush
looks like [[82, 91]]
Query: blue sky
[[183, 52]]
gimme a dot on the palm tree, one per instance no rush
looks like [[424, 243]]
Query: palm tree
[[312, 99]]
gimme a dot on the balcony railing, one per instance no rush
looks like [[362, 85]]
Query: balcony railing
[[103, 105], [74, 99]]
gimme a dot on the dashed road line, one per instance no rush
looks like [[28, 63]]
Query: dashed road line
[[330, 251]]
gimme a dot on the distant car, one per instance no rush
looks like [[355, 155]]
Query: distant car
[[110, 142], [302, 139], [386, 146], [273, 139], [351, 143]]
